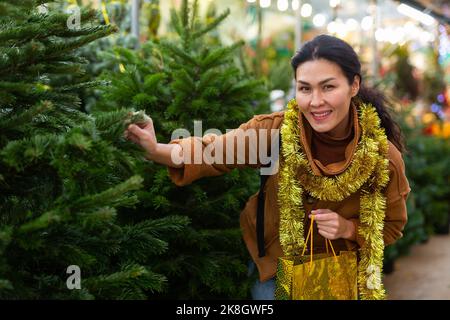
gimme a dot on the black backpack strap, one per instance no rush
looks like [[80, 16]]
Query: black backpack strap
[[260, 217], [260, 213]]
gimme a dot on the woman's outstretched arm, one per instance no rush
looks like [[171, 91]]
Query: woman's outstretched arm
[[192, 158]]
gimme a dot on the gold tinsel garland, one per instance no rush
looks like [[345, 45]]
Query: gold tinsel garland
[[367, 172]]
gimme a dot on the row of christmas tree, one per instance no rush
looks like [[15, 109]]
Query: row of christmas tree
[[82, 214]]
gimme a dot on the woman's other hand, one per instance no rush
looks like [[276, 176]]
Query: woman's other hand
[[333, 226]]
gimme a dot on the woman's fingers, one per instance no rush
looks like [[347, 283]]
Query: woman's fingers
[[141, 134], [133, 138], [127, 134], [133, 133], [321, 211], [135, 129], [327, 235], [150, 129], [144, 136], [327, 229], [326, 222], [324, 216], [144, 128], [328, 219], [147, 125]]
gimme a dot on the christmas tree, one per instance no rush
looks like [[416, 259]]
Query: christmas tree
[[178, 80], [117, 13], [65, 176]]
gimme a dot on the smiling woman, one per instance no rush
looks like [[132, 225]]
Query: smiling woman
[[340, 166]]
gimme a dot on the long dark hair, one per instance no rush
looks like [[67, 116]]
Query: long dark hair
[[340, 52]]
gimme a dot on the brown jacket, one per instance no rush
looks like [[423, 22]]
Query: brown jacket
[[396, 192]]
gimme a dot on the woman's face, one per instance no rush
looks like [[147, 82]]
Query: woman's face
[[323, 95]]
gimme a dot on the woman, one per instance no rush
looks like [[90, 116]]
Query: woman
[[340, 161]]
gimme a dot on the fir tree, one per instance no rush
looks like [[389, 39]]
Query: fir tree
[[65, 176], [177, 81], [97, 54]]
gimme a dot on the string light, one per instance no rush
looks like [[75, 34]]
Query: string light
[[380, 35], [319, 20], [415, 14], [306, 10], [283, 5], [334, 3], [397, 35], [265, 3], [366, 23], [351, 24]]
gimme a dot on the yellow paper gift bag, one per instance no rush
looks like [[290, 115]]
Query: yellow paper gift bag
[[317, 277]]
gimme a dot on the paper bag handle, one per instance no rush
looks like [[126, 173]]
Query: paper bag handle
[[310, 234]]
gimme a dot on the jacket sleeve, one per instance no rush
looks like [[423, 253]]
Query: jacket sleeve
[[396, 192], [219, 154]]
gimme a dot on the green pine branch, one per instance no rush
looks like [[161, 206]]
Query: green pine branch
[[129, 283], [9, 120], [173, 49], [175, 21], [20, 154], [211, 26], [114, 196]]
